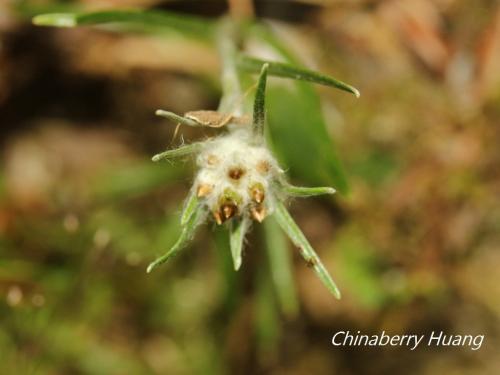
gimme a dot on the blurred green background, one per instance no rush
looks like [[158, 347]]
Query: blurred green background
[[414, 246]]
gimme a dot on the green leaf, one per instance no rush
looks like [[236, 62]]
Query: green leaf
[[187, 233], [238, 231], [176, 118], [299, 191], [297, 237], [281, 266], [56, 19], [298, 134], [259, 106], [279, 69], [184, 24], [190, 207], [178, 152], [296, 127]]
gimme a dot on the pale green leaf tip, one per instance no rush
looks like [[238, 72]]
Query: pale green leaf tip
[[332, 287], [337, 294], [356, 92], [156, 158], [55, 19], [150, 267], [237, 265], [167, 114], [237, 261], [172, 116]]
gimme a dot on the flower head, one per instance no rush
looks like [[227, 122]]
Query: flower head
[[236, 176], [239, 181]]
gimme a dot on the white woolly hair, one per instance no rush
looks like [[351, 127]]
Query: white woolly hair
[[233, 162]]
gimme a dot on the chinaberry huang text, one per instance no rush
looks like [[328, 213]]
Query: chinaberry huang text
[[435, 338]]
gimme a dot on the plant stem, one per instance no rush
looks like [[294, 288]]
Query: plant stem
[[259, 107], [231, 87], [241, 9]]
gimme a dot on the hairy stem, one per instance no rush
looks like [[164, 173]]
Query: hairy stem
[[231, 87]]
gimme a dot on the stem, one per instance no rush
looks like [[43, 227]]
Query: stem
[[241, 9], [231, 88], [259, 107]]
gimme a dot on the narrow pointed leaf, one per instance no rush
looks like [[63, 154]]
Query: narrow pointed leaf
[[299, 191], [178, 152], [259, 107], [190, 207], [184, 24], [281, 266], [295, 122], [239, 229], [297, 237], [176, 118], [279, 69], [186, 234]]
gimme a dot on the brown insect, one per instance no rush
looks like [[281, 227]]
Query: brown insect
[[214, 119], [207, 118]]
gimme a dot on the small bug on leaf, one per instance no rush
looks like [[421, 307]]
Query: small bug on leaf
[[214, 119]]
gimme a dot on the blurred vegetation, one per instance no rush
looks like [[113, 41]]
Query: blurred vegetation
[[414, 246]]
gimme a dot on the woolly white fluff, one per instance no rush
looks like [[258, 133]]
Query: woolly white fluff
[[232, 153]]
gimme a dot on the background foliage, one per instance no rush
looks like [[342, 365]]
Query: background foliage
[[414, 246]]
